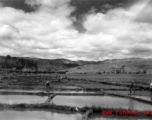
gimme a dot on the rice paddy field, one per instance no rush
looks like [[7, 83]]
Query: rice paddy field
[[24, 96]]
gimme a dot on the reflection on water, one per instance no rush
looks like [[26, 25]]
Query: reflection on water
[[103, 101], [16, 99], [131, 104], [79, 101], [17, 90], [37, 115], [149, 98], [68, 87], [55, 91]]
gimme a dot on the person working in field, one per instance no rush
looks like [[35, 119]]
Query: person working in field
[[151, 87], [47, 85], [132, 87], [150, 91]]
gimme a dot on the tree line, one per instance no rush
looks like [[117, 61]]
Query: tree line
[[18, 63]]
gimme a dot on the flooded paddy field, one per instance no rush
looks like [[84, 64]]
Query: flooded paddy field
[[137, 92], [17, 99], [73, 90], [37, 115], [102, 101], [148, 97], [78, 101], [82, 100], [20, 91], [105, 102]]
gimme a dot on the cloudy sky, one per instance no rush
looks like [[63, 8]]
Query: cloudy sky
[[76, 29]]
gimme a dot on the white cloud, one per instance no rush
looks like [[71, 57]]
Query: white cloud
[[49, 32], [125, 31]]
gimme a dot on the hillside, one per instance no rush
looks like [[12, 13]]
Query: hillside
[[19, 63], [117, 66]]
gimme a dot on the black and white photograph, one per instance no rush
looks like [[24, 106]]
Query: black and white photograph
[[75, 59]]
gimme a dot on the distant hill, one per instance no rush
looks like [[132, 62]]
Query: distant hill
[[59, 64], [19, 63], [117, 66]]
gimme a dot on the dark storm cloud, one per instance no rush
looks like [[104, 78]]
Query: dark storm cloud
[[18, 4], [84, 6]]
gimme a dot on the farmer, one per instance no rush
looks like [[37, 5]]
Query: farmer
[[150, 91], [132, 87], [47, 85], [151, 87], [60, 78]]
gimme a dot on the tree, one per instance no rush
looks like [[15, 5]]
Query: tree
[[19, 66], [123, 68], [8, 57]]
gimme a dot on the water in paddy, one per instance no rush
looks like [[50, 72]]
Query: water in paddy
[[37, 115], [103, 101], [68, 91], [16, 99], [68, 87], [55, 91], [18, 90], [149, 98], [79, 101]]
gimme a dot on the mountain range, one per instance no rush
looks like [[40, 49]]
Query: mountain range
[[115, 66]]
